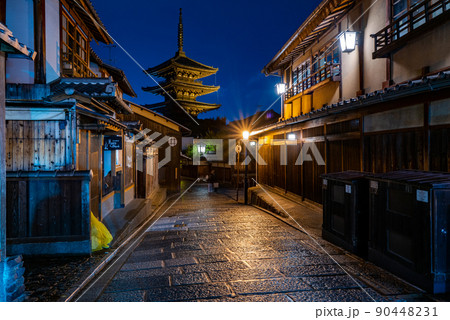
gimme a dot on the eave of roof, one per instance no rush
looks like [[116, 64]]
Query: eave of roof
[[181, 61], [135, 105], [319, 21], [88, 14], [119, 76], [198, 104], [9, 43], [99, 88], [180, 84], [95, 87]]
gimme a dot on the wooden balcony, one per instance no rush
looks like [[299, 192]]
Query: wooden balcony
[[421, 18], [328, 71], [74, 66]]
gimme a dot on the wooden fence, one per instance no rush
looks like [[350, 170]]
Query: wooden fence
[[344, 146], [48, 212]]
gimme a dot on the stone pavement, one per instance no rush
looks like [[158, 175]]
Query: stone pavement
[[307, 215], [207, 247]]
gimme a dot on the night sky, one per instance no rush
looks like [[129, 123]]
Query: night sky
[[238, 37]]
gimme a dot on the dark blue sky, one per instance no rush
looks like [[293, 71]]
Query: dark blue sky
[[238, 37]]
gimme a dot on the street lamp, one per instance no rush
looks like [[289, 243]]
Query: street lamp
[[245, 136], [348, 41], [281, 88]]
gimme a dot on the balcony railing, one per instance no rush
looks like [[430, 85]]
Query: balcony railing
[[329, 70], [421, 17], [74, 66]]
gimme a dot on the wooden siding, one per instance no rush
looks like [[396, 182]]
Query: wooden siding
[[344, 146], [47, 207], [38, 145]]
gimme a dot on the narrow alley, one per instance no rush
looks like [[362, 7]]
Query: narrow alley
[[208, 247]]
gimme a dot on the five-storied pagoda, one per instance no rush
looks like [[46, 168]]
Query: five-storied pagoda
[[181, 82]]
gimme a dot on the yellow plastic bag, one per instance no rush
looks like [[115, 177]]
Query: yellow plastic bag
[[100, 236]]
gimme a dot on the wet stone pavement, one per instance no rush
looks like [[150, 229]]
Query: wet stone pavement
[[207, 247]]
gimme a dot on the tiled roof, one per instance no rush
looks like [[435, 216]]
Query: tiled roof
[[146, 108], [205, 89], [9, 43], [327, 13], [90, 17], [117, 74], [95, 87], [181, 61], [99, 88]]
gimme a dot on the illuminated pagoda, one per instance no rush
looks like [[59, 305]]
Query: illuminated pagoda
[[181, 82]]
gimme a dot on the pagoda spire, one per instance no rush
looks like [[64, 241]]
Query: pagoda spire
[[180, 34], [181, 82]]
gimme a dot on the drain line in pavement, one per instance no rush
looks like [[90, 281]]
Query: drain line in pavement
[[113, 255], [315, 241]]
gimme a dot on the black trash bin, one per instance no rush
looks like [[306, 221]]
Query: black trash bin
[[345, 210], [409, 222]]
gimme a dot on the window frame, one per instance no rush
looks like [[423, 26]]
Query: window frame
[[77, 52]]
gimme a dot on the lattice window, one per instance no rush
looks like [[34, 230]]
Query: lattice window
[[74, 49]]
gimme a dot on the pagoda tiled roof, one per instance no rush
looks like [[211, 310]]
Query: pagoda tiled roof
[[179, 84], [180, 60], [198, 104], [185, 104]]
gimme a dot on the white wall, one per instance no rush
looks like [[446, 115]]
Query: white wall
[[431, 49], [373, 21], [19, 19], [52, 33]]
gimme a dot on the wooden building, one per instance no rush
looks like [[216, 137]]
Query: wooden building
[[72, 141], [162, 147], [11, 268], [380, 106], [181, 80]]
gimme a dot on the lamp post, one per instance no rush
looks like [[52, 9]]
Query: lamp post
[[238, 150], [245, 135]]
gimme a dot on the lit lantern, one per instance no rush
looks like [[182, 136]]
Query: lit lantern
[[348, 41], [291, 136], [281, 88]]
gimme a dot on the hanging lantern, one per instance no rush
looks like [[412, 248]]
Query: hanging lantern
[[348, 41], [281, 88]]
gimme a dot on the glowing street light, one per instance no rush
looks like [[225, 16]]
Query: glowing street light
[[348, 41], [281, 88], [245, 136], [291, 136]]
